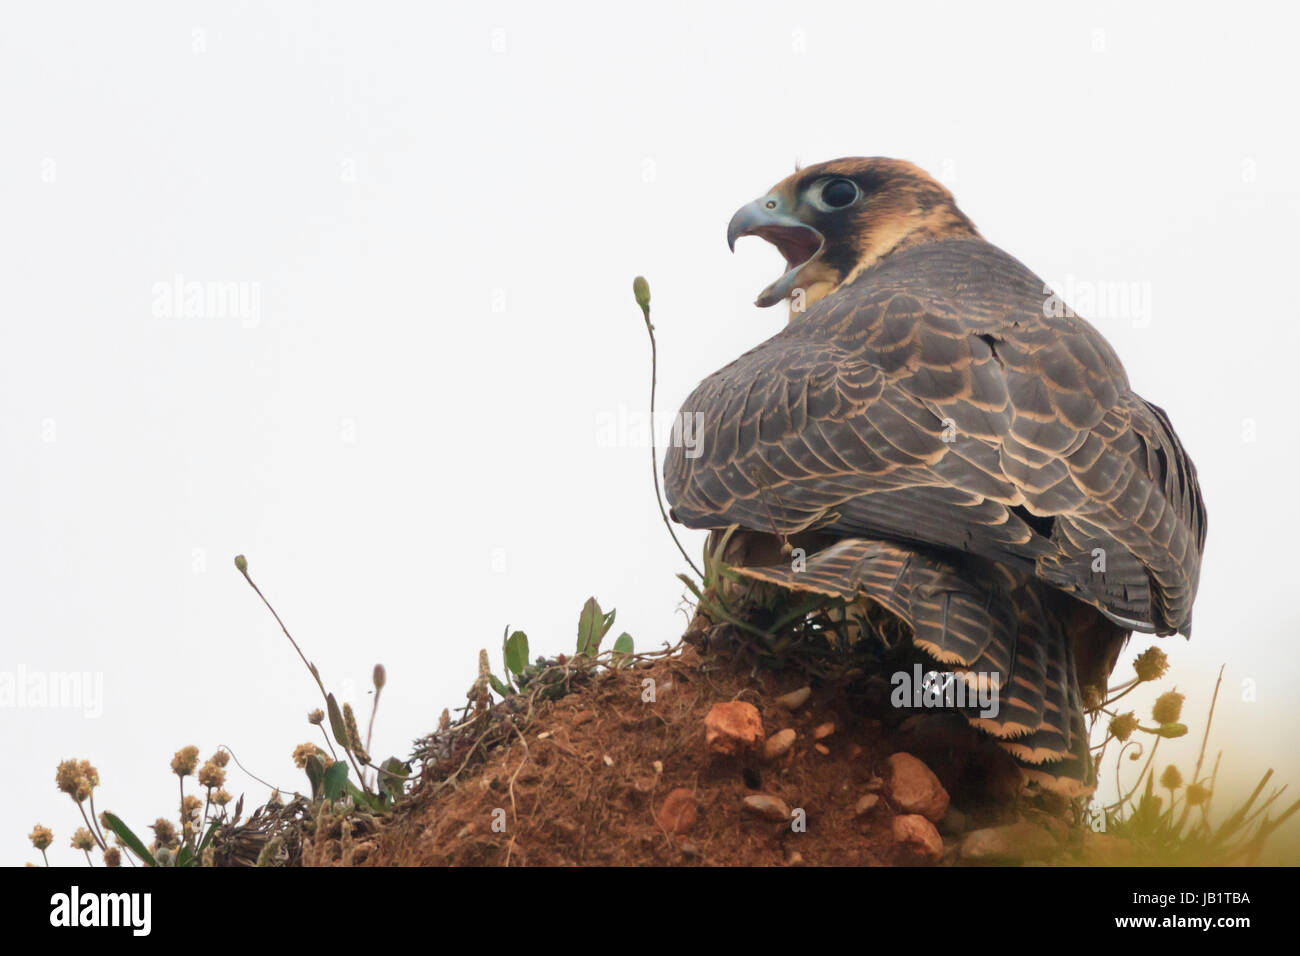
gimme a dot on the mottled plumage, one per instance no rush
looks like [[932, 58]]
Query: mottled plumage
[[927, 412]]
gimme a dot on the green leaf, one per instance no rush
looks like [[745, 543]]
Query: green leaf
[[591, 628], [129, 838], [517, 652], [337, 726], [624, 643], [362, 798], [315, 768], [399, 770], [335, 776], [207, 837], [498, 685]]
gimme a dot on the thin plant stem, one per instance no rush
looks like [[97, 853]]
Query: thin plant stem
[[654, 451]]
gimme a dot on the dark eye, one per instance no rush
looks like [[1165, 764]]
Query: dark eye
[[839, 193]]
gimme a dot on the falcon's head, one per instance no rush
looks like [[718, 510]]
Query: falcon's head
[[833, 220]]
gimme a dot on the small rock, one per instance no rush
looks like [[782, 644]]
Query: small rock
[[865, 805], [679, 811], [733, 728], [915, 789], [779, 744], [583, 717], [919, 835], [609, 761], [659, 766], [1010, 843], [794, 859], [875, 785], [822, 731], [689, 849], [767, 807], [795, 699], [822, 749]]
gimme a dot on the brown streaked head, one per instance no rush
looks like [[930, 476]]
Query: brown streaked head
[[833, 220]]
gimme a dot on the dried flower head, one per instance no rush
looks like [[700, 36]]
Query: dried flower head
[[380, 677], [220, 758], [1123, 725], [1167, 708], [112, 857], [302, 752], [1151, 664], [211, 776], [221, 798], [186, 759], [41, 837], [191, 806], [316, 717], [66, 776], [82, 840], [275, 800], [1171, 779], [1197, 794], [164, 831]]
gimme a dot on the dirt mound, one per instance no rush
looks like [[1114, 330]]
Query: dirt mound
[[619, 773]]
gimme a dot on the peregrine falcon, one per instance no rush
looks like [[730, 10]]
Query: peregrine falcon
[[949, 447]]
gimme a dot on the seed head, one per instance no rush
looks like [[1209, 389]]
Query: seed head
[[1151, 664], [185, 760], [41, 837]]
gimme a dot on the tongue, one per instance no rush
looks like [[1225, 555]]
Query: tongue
[[778, 290]]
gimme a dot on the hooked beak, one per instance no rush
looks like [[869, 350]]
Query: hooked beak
[[799, 242]]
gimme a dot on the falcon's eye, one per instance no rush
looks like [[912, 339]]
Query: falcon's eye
[[839, 193]]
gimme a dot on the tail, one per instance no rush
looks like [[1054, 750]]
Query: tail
[[984, 622]]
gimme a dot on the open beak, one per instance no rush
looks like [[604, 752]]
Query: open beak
[[799, 242]]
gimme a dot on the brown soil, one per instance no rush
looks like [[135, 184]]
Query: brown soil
[[586, 782]]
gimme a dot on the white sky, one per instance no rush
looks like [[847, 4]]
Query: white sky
[[437, 212]]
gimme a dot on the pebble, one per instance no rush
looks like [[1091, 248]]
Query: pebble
[[919, 835], [733, 728], [795, 699], [779, 744], [915, 789], [679, 811], [767, 807]]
